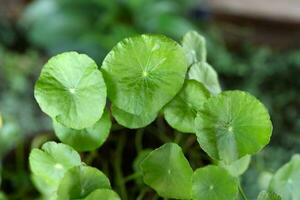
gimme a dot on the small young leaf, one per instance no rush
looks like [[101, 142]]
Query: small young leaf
[[194, 46], [264, 195], [205, 74], [214, 183], [103, 194], [130, 120], [237, 167], [286, 180], [232, 125], [81, 181], [71, 90], [168, 172], [87, 139], [51, 163], [143, 73], [181, 112]]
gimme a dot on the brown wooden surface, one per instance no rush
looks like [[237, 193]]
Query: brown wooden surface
[[281, 10]]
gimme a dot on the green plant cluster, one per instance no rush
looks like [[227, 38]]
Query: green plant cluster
[[144, 77], [96, 26]]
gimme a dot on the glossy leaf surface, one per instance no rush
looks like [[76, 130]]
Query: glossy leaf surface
[[71, 90], [168, 172], [181, 112], [143, 73], [214, 183], [286, 180], [87, 139], [232, 125], [81, 181]]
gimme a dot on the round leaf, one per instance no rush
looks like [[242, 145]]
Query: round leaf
[[80, 181], [237, 167], [51, 162], [264, 195], [87, 139], [194, 46], [104, 194], [168, 172], [143, 73], [181, 112], [205, 74], [286, 180], [214, 183], [71, 90], [232, 125], [130, 120]]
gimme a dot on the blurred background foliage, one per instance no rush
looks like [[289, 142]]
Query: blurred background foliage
[[32, 31]]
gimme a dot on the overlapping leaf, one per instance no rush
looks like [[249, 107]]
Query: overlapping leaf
[[71, 90], [51, 162], [168, 172], [214, 183], [194, 46], [143, 73], [286, 180], [87, 139], [104, 194], [81, 181], [205, 74], [131, 120], [232, 125], [181, 112]]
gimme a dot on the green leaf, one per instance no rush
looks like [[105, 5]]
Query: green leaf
[[194, 46], [205, 74], [264, 195], [214, 183], [232, 125], [130, 120], [137, 164], [47, 191], [51, 162], [71, 90], [87, 139], [104, 194], [237, 167], [143, 73], [168, 172], [286, 180], [80, 181], [181, 112]]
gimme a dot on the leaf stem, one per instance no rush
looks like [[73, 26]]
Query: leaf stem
[[243, 195], [139, 140], [119, 179]]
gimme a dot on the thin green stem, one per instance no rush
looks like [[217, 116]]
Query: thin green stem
[[90, 158], [139, 140], [119, 179], [132, 177], [243, 195]]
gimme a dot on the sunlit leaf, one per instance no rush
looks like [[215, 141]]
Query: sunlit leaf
[[104, 194], [81, 181], [214, 183], [168, 172], [181, 112], [206, 75], [51, 162], [87, 139], [194, 46], [286, 180], [237, 167], [131, 120], [71, 90], [143, 73], [264, 195], [232, 125]]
